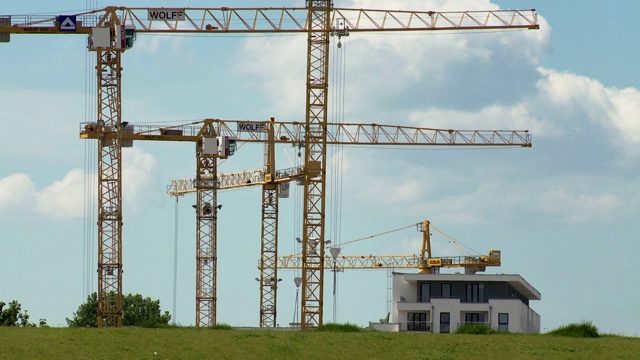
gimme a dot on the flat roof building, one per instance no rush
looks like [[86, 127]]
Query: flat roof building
[[440, 303]]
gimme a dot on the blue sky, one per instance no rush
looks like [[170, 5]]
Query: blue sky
[[563, 212]]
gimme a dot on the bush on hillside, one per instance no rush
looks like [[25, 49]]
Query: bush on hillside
[[221, 326], [136, 311], [474, 329], [340, 327], [584, 329]]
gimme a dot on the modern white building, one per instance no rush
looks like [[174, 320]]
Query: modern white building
[[440, 303]]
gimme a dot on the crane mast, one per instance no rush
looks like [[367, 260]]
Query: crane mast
[[269, 239], [206, 233], [315, 158], [112, 30], [109, 190]]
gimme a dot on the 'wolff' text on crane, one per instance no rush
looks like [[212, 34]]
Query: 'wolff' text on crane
[[166, 14], [252, 126]]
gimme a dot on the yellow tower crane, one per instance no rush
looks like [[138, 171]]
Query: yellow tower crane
[[271, 132], [425, 262], [112, 30]]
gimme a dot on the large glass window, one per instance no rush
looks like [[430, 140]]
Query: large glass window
[[473, 318], [424, 292], [475, 293], [446, 290], [503, 321], [417, 322], [445, 322]]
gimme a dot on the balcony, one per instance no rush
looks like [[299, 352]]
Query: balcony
[[417, 326], [463, 323], [414, 306]]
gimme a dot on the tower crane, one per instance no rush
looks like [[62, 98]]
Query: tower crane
[[272, 132], [112, 30], [425, 262]]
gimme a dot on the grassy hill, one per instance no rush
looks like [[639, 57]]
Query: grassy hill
[[190, 343]]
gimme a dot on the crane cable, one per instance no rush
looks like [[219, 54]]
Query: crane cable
[[376, 235], [458, 245], [89, 186], [337, 157]]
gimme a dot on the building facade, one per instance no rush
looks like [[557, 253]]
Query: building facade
[[440, 303]]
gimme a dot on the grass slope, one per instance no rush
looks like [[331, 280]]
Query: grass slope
[[190, 343]]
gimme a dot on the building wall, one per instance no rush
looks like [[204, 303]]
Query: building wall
[[498, 297], [402, 290]]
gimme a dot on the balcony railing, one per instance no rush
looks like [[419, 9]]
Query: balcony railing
[[422, 326], [462, 323]]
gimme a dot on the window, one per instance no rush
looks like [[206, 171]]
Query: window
[[445, 321], [475, 293], [417, 322], [474, 318], [503, 321], [446, 290], [424, 292]]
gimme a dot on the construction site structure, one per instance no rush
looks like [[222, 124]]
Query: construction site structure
[[113, 30], [270, 179], [425, 262]]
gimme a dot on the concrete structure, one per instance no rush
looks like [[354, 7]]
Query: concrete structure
[[440, 303]]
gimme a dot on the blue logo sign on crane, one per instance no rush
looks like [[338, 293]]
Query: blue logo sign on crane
[[67, 23]]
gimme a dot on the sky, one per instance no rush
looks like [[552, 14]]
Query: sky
[[564, 212]]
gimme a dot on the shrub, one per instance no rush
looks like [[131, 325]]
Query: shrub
[[584, 329], [475, 329], [340, 327], [221, 326]]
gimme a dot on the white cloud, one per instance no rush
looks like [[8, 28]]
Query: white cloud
[[588, 99], [492, 117], [565, 199], [138, 181], [565, 103], [575, 207], [16, 193], [64, 199], [153, 43], [279, 73], [390, 73]]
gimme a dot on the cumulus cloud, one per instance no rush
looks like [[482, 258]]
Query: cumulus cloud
[[17, 193], [280, 71], [564, 103], [401, 71], [481, 194], [588, 99], [64, 199], [139, 187]]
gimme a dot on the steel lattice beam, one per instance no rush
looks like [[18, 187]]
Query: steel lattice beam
[[269, 254], [206, 242], [337, 134], [289, 20], [315, 158], [109, 191]]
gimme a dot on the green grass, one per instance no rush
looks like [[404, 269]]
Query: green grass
[[191, 343]]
